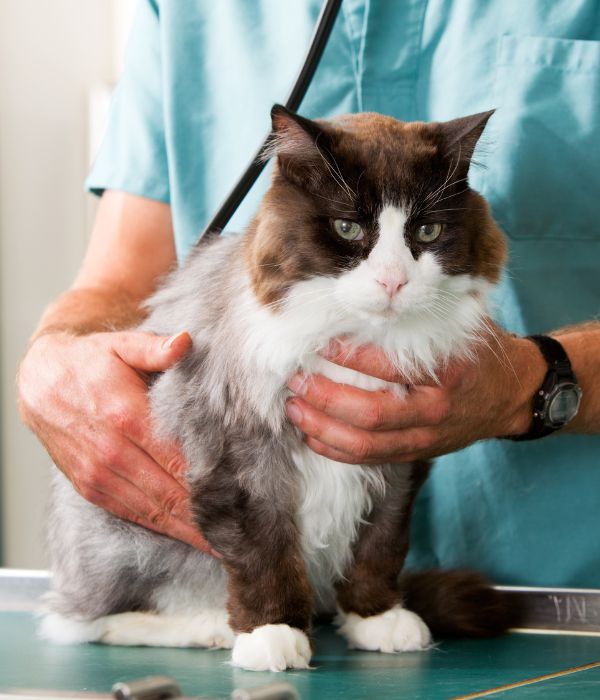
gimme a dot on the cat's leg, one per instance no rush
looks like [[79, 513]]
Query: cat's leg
[[251, 524], [206, 628], [116, 583], [371, 614]]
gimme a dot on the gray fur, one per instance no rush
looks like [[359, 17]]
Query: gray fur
[[103, 565]]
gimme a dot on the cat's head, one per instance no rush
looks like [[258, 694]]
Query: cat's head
[[377, 213]]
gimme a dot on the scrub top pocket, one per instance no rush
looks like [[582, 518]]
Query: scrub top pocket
[[543, 161]]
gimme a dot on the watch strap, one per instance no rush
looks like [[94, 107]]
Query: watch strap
[[555, 355], [559, 370]]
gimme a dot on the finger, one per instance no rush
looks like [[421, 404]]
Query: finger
[[362, 444], [371, 410], [131, 418], [150, 353], [167, 454], [133, 505], [330, 452], [338, 456], [135, 465], [367, 359], [170, 457]]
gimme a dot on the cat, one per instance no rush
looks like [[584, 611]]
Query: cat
[[369, 232]]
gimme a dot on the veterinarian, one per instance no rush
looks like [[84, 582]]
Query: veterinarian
[[191, 107]]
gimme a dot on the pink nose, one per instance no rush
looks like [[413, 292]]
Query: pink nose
[[392, 285]]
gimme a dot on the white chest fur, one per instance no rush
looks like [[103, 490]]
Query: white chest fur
[[334, 498], [333, 501]]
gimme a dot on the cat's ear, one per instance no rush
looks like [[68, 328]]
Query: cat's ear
[[299, 144], [460, 136]]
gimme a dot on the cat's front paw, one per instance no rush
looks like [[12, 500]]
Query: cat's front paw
[[396, 629], [271, 648]]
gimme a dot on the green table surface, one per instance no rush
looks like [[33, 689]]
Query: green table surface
[[450, 670]]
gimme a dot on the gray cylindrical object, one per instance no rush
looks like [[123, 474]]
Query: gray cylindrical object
[[150, 688], [273, 691]]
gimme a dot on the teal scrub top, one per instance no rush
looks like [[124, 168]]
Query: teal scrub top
[[193, 105]]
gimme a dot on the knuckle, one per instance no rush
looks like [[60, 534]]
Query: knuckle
[[171, 502], [324, 400], [88, 483], [373, 418], [122, 417], [318, 395], [158, 518], [361, 448], [176, 465], [313, 425], [111, 455], [93, 478]]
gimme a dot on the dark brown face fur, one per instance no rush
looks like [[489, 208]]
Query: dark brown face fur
[[350, 169]]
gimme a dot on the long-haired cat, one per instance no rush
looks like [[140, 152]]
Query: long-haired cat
[[369, 232]]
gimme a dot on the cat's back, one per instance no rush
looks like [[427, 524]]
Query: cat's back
[[195, 296]]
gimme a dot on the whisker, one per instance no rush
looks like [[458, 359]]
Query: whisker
[[449, 174], [337, 176], [333, 201]]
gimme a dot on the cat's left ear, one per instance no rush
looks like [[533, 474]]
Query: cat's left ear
[[300, 145], [460, 136]]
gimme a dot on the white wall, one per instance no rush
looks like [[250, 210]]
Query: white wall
[[52, 56]]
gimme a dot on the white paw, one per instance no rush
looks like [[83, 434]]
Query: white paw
[[271, 648], [396, 629]]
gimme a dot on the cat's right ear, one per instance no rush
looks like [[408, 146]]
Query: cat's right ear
[[460, 137], [300, 146]]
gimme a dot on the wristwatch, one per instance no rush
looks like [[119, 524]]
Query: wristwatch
[[558, 399]]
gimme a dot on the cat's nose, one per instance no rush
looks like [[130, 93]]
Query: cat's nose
[[391, 283]]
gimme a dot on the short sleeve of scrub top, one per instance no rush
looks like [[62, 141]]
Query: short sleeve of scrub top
[[193, 103], [133, 156]]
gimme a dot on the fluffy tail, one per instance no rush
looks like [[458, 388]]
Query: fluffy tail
[[459, 603]]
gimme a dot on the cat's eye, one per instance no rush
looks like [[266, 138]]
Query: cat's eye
[[429, 232], [349, 230]]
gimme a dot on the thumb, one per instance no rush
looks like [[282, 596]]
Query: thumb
[[151, 353]]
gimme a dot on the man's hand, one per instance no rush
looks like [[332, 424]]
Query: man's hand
[[472, 401], [86, 399]]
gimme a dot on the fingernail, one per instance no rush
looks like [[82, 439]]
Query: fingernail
[[293, 411], [169, 342], [297, 384], [215, 554]]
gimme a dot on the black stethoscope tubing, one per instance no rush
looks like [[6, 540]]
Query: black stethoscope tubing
[[325, 22]]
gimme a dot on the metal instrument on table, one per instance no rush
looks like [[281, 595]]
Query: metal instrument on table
[[156, 688]]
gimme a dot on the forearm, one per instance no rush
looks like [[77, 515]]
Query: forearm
[[582, 344], [83, 310], [118, 272]]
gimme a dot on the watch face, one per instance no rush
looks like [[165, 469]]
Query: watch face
[[564, 404]]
